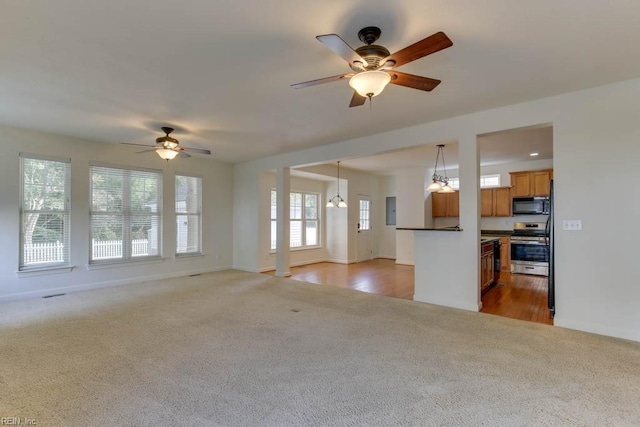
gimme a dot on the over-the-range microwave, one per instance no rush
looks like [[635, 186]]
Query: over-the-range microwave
[[530, 206]]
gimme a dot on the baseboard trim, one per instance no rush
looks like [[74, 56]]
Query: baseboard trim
[[448, 303], [593, 328], [98, 285]]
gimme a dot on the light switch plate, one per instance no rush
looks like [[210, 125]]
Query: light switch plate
[[572, 224]]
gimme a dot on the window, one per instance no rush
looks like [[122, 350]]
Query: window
[[188, 214], [126, 214], [304, 226], [365, 215], [44, 212], [486, 181]]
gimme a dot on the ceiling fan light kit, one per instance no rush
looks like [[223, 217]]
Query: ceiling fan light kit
[[369, 83], [168, 148], [375, 66]]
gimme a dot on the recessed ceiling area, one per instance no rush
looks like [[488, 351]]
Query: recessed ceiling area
[[511, 146], [220, 72]]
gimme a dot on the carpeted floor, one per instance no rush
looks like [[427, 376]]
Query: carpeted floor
[[234, 348]]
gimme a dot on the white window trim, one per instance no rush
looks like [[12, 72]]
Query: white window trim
[[455, 182], [49, 267], [303, 220], [198, 253], [128, 260]]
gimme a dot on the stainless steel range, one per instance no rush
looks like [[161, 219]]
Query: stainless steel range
[[530, 248]]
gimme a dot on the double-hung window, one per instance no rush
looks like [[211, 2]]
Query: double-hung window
[[304, 224], [44, 212], [188, 215], [126, 214]]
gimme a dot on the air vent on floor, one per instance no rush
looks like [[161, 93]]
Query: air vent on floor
[[53, 295]]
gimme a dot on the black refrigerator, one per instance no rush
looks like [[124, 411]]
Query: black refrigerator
[[551, 298]]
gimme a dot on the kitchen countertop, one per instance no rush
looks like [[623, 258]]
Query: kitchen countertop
[[487, 239], [431, 229], [502, 233]]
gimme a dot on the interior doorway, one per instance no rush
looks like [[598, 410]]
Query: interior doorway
[[516, 176]]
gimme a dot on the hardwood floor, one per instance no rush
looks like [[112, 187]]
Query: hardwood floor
[[379, 276], [517, 296]]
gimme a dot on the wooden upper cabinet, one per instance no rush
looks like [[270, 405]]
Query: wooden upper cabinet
[[531, 183], [521, 184], [486, 202], [445, 204], [502, 201], [540, 182], [453, 204], [495, 201], [438, 205]]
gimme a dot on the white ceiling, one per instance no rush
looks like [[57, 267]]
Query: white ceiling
[[512, 146], [219, 71]]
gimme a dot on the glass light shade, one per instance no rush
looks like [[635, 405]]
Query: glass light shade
[[329, 204], [434, 186], [369, 83], [446, 189], [166, 154], [342, 204]]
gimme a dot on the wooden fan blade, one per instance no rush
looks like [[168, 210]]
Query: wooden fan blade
[[183, 154], [412, 81], [431, 44], [339, 46], [145, 151], [195, 150], [357, 100], [321, 81]]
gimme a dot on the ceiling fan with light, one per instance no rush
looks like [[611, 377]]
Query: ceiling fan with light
[[168, 147], [374, 67]]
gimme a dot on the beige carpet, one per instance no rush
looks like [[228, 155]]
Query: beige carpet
[[235, 348]]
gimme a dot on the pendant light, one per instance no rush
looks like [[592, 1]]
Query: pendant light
[[337, 201], [440, 183]]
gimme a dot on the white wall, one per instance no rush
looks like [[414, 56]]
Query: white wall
[[410, 196], [386, 247], [596, 131], [217, 214]]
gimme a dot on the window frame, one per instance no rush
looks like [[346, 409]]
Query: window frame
[[361, 220], [66, 214], [303, 220], [127, 252], [198, 213], [455, 182]]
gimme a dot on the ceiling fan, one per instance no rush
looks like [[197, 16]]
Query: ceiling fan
[[168, 147], [374, 67]]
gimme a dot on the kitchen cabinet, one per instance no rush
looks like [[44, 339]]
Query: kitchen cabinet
[[531, 183], [505, 254], [486, 265], [445, 204], [495, 201]]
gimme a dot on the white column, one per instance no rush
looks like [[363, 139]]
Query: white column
[[447, 262], [469, 158], [283, 254]]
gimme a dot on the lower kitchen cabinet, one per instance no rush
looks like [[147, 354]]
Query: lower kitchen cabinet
[[505, 254], [486, 265]]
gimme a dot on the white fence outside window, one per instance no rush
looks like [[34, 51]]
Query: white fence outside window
[[102, 249]]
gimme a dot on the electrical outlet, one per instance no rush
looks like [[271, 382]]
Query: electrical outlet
[[572, 224]]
